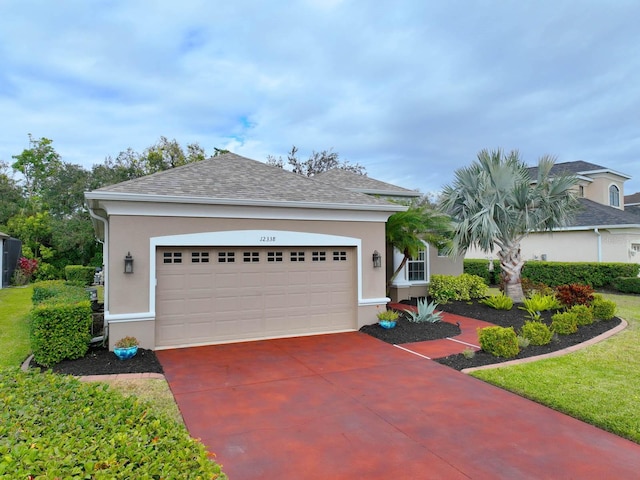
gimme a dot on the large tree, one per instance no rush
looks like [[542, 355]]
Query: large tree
[[409, 230], [495, 203], [317, 162]]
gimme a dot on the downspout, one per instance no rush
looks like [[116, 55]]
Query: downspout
[[597, 232], [105, 274]]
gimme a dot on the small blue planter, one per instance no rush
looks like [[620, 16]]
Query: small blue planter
[[125, 353], [387, 323]]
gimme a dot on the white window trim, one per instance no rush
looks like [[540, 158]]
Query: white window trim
[[402, 280]]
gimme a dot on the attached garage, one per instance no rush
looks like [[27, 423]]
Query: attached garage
[[230, 249], [214, 295]]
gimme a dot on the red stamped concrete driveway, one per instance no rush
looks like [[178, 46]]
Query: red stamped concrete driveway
[[348, 406]]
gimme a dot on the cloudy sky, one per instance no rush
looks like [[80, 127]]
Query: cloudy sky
[[412, 90]]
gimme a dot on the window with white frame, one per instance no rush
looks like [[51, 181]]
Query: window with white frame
[[614, 196], [417, 267]]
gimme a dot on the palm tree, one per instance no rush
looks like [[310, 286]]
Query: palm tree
[[407, 231], [495, 204]]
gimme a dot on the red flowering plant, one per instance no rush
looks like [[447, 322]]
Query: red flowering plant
[[27, 267]]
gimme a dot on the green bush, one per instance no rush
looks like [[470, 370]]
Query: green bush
[[54, 426], [603, 309], [444, 288], [79, 275], [540, 303], [499, 302], [596, 275], [57, 291], [480, 268], [564, 323], [60, 331], [537, 333], [583, 313], [499, 341], [627, 284]]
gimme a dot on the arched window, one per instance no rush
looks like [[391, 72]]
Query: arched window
[[614, 196]]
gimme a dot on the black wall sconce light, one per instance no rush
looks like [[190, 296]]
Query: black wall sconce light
[[128, 263], [377, 259]]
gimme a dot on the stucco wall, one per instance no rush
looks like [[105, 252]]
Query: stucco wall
[[129, 293], [579, 246]]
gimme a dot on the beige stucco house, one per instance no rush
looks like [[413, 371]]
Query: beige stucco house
[[602, 231], [230, 249]]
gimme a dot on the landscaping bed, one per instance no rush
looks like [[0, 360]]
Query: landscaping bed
[[418, 332]]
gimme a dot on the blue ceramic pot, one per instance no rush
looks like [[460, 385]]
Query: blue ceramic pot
[[124, 353], [387, 323]]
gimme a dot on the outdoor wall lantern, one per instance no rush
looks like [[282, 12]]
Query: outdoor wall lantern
[[377, 259], [128, 263]]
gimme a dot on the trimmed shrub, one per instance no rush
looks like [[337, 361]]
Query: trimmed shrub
[[538, 333], [627, 284], [603, 309], [60, 331], [499, 341], [574, 294], [529, 287], [79, 275], [583, 313], [563, 273], [444, 288], [564, 323], [480, 268], [54, 426], [57, 291], [499, 302]]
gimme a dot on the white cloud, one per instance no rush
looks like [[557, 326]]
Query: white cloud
[[411, 90]]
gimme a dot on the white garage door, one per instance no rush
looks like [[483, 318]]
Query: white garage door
[[219, 294]]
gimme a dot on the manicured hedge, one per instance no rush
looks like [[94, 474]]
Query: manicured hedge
[[627, 284], [79, 275], [54, 426], [60, 331], [57, 291], [596, 275], [553, 274]]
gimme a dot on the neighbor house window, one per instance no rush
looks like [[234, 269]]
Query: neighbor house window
[[614, 196], [417, 268]]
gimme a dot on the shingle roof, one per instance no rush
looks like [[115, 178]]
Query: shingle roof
[[361, 183], [576, 168], [632, 199], [232, 177], [593, 214]]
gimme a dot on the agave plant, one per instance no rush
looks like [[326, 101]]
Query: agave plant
[[426, 313]]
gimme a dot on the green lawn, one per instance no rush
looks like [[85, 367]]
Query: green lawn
[[15, 304], [600, 384]]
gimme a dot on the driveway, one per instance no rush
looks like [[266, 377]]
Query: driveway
[[348, 406]]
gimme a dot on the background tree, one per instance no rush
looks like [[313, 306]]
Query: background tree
[[495, 204], [317, 162], [36, 164], [407, 231], [11, 196]]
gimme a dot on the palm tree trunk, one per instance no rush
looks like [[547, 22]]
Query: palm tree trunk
[[511, 264], [395, 274]]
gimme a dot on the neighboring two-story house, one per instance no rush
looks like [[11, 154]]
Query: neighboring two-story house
[[604, 230]]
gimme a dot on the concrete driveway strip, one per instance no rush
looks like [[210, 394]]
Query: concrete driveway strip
[[348, 406]]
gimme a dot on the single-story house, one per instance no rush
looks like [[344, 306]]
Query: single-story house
[[602, 231], [231, 249], [413, 279]]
